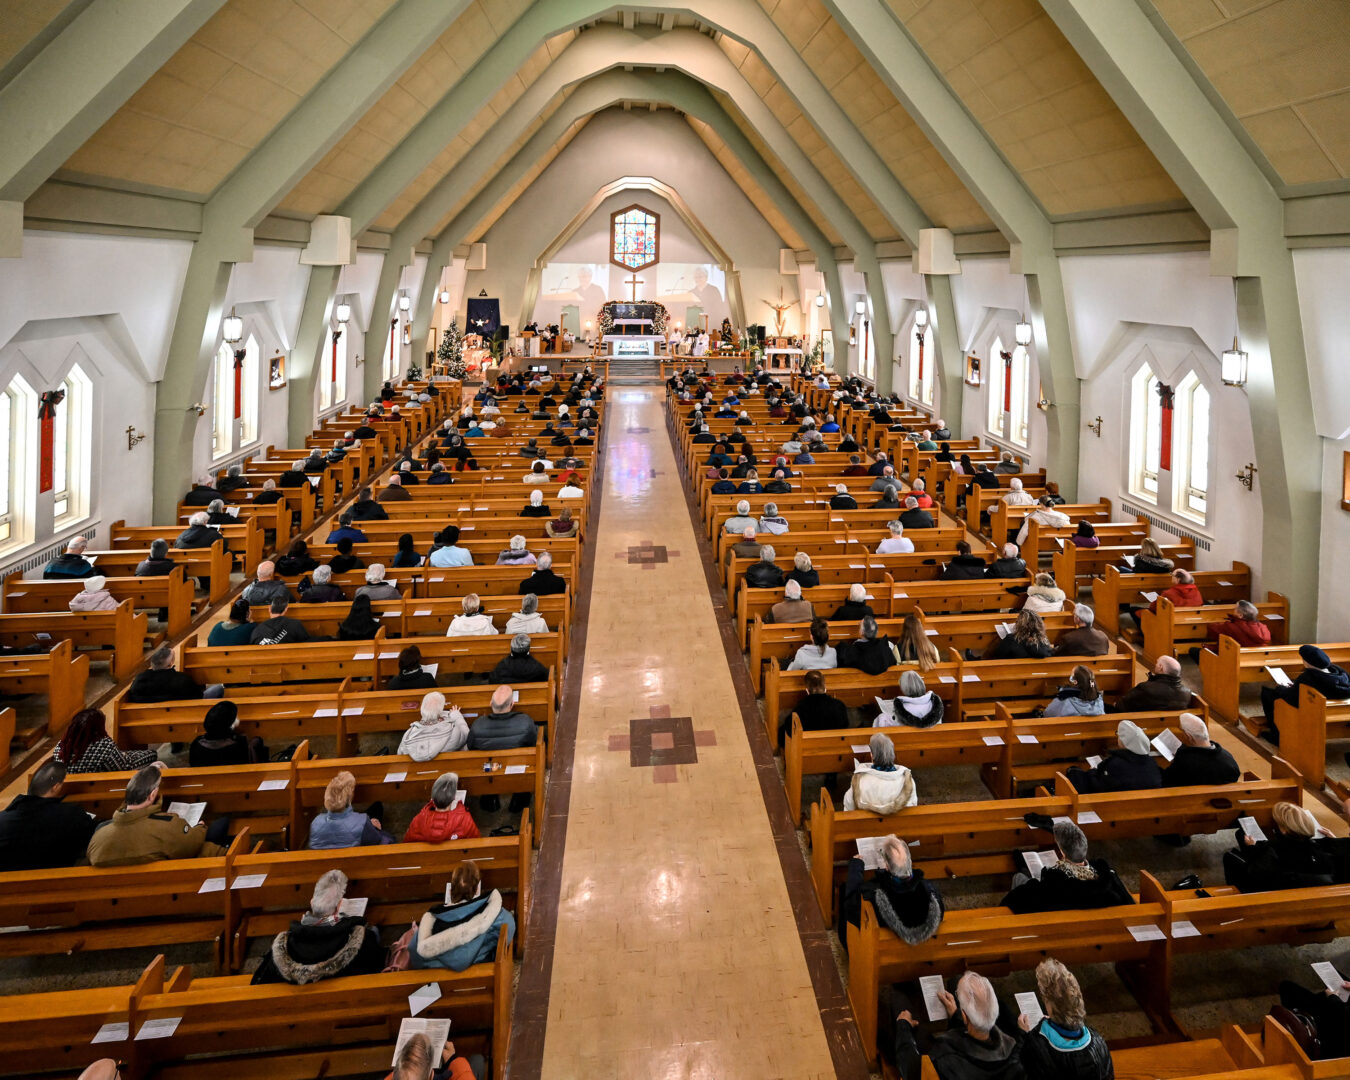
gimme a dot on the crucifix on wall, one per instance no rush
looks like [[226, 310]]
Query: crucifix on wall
[[634, 281]]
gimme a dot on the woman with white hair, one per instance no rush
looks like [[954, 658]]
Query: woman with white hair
[[771, 522], [472, 622], [527, 620], [881, 785], [517, 554], [94, 596], [324, 943], [1297, 853], [802, 572], [438, 729], [537, 507], [444, 817], [897, 543], [376, 587], [915, 706], [1129, 767]]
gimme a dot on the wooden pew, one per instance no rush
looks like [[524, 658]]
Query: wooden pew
[[244, 539], [1171, 630], [432, 581], [7, 722], [1117, 588], [1072, 564], [229, 1028], [1007, 519], [117, 636], [59, 674], [271, 517], [1306, 728], [1226, 667], [173, 592]]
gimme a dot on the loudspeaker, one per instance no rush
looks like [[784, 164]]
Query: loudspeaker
[[477, 257], [759, 333], [787, 261]]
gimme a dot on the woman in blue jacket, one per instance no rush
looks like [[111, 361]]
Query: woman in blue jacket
[[464, 932]]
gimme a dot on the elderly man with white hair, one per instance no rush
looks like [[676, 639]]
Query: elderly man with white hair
[[914, 516], [1016, 496], [321, 589], [973, 1044], [198, 533], [792, 608], [741, 520], [265, 587], [897, 543], [841, 499], [1199, 760], [1084, 639], [543, 582], [324, 943], [1162, 691], [472, 622], [771, 521], [881, 785], [438, 729], [747, 547], [905, 903], [376, 587], [1009, 564]]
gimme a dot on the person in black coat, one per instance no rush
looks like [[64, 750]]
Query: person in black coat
[[1162, 691], [842, 500], [410, 674], [802, 572], [1075, 882], [1008, 565], [964, 566], [1198, 761], [543, 582], [869, 653], [819, 711], [764, 574], [914, 517], [1319, 673], [203, 494], [37, 830], [367, 509], [1297, 854], [519, 666], [1130, 767], [1061, 1046], [160, 682], [905, 903], [323, 944], [198, 534], [219, 744], [855, 608]]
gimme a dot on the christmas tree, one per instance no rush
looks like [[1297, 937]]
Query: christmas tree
[[451, 351]]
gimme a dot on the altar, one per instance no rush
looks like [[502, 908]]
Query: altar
[[633, 328], [633, 344], [782, 359]]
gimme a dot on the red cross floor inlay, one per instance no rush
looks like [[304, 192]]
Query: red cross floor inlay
[[660, 742], [647, 555]]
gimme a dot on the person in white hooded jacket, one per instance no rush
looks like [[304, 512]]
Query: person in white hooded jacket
[[527, 620], [1044, 597], [916, 706], [1046, 515], [438, 730], [473, 622], [883, 786], [94, 596]]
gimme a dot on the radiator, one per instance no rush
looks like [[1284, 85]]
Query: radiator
[[1166, 525]]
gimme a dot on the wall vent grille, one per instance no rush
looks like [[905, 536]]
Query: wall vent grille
[[1165, 524]]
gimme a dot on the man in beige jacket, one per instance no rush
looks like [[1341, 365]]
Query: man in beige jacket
[[142, 831]]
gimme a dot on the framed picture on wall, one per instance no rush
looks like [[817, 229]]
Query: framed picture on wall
[[852, 334], [276, 372], [972, 371]]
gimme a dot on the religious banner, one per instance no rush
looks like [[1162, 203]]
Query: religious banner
[[920, 335], [485, 316], [333, 375], [47, 405], [239, 355], [1007, 380], [1167, 396]]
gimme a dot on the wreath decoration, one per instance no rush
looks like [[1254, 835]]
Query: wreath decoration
[[605, 319]]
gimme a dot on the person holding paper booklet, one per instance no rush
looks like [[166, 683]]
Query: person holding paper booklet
[[445, 816], [141, 831], [342, 826], [1297, 854], [907, 905], [973, 1047], [1318, 672], [1060, 1045], [415, 1059], [1320, 1021], [1072, 882], [411, 675], [463, 931], [71, 563], [1198, 760], [217, 514], [1129, 767], [324, 944], [1084, 639], [1027, 641]]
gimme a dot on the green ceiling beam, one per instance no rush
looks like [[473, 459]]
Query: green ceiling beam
[[1177, 121]]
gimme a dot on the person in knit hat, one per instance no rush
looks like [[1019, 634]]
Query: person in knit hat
[[1129, 767], [1318, 672]]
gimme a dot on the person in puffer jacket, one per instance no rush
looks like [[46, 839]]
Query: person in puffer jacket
[[94, 596], [437, 730], [464, 932], [1062, 1046], [473, 623], [1182, 592], [1044, 597], [324, 944], [444, 817]]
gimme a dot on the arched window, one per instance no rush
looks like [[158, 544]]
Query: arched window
[[234, 424], [222, 403], [18, 411], [634, 238], [1145, 434], [248, 412], [333, 378], [1191, 479], [1021, 396], [72, 450], [391, 352], [994, 384], [1009, 383], [920, 384]]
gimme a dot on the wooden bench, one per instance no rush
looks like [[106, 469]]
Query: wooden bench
[[1171, 630], [172, 592], [433, 581], [1306, 728], [1226, 667], [117, 637], [1072, 564], [244, 539], [270, 517], [59, 674], [1117, 588]]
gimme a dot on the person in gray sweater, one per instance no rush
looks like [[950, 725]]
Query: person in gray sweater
[[503, 729]]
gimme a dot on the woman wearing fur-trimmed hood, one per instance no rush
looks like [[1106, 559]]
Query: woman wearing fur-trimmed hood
[[324, 943], [464, 932]]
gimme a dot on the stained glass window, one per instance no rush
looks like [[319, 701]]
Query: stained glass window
[[635, 238]]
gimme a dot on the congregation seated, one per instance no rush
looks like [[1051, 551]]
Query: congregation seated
[[792, 608], [203, 493], [898, 543], [1318, 1019], [819, 655], [881, 785], [465, 931], [216, 514], [503, 728], [220, 744], [157, 563], [346, 530], [37, 830], [472, 621], [764, 574], [437, 730], [198, 533], [527, 620], [842, 500], [360, 623], [1016, 496], [906, 904], [160, 682], [802, 572], [94, 596], [919, 491], [1061, 1044], [233, 480], [1319, 673], [394, 491], [297, 560], [1127, 767], [963, 566], [870, 652], [1162, 691], [915, 706], [280, 628], [235, 628], [914, 517], [446, 552], [973, 1044], [538, 474], [1182, 592], [747, 547], [1084, 639], [855, 607], [771, 521], [890, 500], [1199, 760], [406, 556], [340, 825], [376, 588], [1008, 465], [1009, 564], [887, 479], [1080, 698], [915, 646], [543, 582], [1044, 596], [324, 943], [516, 554], [1085, 536], [265, 587], [320, 589], [518, 665], [1296, 854], [563, 527], [269, 496], [1045, 515], [1244, 626], [142, 831], [444, 817], [1075, 882], [410, 674], [1149, 559]]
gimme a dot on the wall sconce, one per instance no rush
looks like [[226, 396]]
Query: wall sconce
[[860, 307], [1233, 366], [1022, 334], [1247, 476], [359, 360], [1044, 404], [135, 438], [921, 318], [199, 408], [1096, 427], [232, 328]]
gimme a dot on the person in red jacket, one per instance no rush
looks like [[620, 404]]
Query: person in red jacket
[[1182, 593], [416, 1058], [444, 817], [1245, 627]]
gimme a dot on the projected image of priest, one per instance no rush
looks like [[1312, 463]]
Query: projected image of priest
[[707, 296], [592, 295]]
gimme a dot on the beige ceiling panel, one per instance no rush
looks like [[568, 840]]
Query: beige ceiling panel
[[1329, 118], [1283, 136], [1187, 17], [798, 21]]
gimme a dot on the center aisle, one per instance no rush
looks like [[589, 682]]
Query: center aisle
[[677, 953]]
